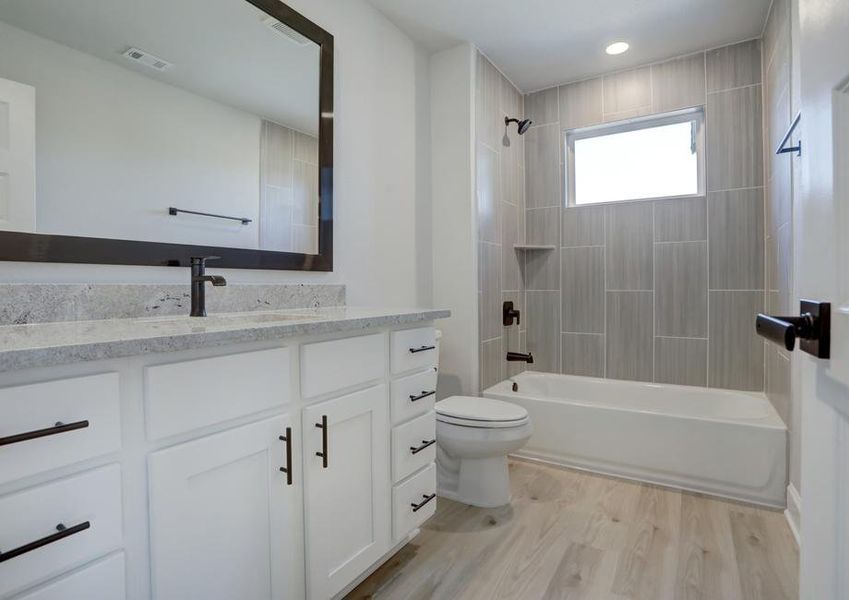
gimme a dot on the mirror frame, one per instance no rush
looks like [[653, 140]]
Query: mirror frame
[[38, 247]]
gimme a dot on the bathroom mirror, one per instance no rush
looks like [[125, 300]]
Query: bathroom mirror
[[149, 132]]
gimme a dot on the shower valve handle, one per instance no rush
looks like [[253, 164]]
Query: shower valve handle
[[508, 313]]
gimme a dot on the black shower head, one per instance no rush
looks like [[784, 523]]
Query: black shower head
[[523, 125]]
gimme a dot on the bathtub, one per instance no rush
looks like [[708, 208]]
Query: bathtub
[[719, 442]]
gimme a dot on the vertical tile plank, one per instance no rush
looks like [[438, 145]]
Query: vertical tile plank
[[629, 335]]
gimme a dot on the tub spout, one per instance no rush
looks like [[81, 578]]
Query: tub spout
[[520, 357]]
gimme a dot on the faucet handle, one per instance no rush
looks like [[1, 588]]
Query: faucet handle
[[201, 260]]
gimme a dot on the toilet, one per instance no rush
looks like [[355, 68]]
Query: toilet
[[473, 438]]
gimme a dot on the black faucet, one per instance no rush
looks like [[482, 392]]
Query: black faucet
[[520, 357], [199, 279]]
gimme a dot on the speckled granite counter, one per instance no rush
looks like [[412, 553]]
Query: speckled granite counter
[[50, 344]]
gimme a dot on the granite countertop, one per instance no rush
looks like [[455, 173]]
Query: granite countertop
[[51, 344]]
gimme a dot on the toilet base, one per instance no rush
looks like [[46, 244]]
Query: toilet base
[[483, 482]]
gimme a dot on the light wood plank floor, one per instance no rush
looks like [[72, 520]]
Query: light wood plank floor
[[575, 535]]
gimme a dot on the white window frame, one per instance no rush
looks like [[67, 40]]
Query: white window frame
[[696, 114]]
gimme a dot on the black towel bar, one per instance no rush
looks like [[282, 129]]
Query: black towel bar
[[174, 211]]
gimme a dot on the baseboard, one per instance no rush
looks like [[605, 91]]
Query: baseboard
[[793, 514]]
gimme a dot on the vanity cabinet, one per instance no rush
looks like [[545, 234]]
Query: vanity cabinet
[[282, 470], [223, 518], [346, 488]]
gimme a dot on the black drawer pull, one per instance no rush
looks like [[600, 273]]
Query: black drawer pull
[[288, 468], [59, 427], [61, 533], [420, 505], [323, 453], [424, 394], [421, 349], [425, 444]]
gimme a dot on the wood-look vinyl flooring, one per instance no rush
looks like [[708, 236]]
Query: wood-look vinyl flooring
[[575, 535]]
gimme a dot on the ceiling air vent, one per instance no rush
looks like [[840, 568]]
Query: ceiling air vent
[[292, 35], [147, 59]]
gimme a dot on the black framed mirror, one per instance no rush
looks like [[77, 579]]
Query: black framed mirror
[[146, 133]]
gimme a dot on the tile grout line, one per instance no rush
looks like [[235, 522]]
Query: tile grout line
[[707, 231], [654, 296]]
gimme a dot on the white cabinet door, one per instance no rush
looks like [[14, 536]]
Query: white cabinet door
[[224, 521], [347, 490]]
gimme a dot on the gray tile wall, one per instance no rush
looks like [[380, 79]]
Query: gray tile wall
[[780, 173], [500, 191], [663, 290]]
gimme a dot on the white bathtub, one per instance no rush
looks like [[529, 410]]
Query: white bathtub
[[719, 442]]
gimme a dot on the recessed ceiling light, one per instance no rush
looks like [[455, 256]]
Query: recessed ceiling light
[[617, 48]]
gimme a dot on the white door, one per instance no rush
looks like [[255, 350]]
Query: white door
[[17, 156], [224, 522], [346, 498], [821, 241]]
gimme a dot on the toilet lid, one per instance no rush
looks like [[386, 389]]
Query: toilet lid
[[488, 410]]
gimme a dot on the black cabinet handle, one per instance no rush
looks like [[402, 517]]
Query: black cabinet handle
[[59, 427], [424, 394], [288, 468], [323, 453], [61, 533], [420, 505], [425, 444], [421, 349]]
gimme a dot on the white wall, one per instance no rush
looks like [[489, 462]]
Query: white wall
[[455, 282], [381, 150]]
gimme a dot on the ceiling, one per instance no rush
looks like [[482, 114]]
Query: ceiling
[[541, 43], [220, 49]]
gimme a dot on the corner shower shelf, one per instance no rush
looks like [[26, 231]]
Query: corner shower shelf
[[533, 247]]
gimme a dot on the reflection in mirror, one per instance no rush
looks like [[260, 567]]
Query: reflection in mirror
[[157, 120]]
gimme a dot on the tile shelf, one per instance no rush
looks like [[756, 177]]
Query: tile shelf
[[533, 247]]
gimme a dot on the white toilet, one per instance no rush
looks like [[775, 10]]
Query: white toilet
[[473, 438]]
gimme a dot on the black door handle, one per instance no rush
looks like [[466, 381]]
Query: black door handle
[[323, 453], [812, 327], [288, 468]]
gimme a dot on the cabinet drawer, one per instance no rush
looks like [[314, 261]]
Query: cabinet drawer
[[339, 364], [88, 507], [413, 349], [410, 504], [413, 395], [48, 425], [103, 580], [192, 394], [413, 446]]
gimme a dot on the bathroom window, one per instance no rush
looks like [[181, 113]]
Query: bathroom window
[[646, 158]]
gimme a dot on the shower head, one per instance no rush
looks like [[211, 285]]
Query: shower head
[[522, 125]]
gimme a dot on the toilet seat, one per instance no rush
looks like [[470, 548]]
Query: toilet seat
[[471, 411]]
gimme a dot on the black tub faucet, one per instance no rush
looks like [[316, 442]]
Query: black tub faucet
[[199, 279], [520, 357]]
